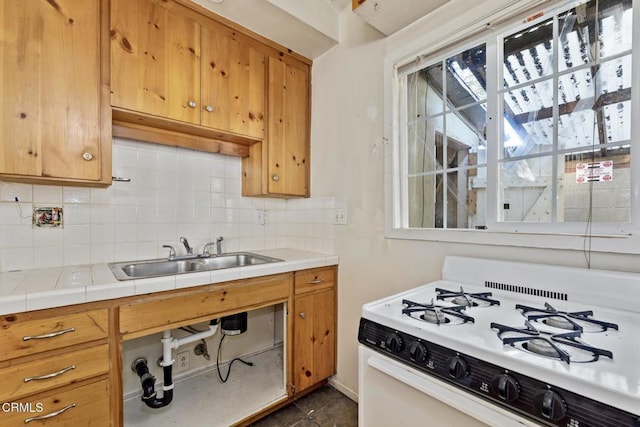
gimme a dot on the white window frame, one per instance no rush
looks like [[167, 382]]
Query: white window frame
[[603, 237]]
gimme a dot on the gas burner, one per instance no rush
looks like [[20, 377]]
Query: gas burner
[[466, 299], [436, 314], [564, 346], [572, 321]]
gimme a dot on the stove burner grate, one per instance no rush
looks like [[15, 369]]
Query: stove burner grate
[[436, 314], [547, 344], [573, 321], [480, 299]]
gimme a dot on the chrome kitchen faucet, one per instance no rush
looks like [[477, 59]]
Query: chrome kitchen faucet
[[185, 242]]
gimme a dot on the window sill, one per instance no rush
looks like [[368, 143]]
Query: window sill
[[623, 244]]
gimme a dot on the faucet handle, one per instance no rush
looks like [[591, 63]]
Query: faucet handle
[[205, 249], [172, 251]]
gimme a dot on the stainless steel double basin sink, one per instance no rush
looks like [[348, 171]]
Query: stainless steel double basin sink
[[166, 267]]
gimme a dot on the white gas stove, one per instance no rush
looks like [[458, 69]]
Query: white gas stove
[[550, 345]]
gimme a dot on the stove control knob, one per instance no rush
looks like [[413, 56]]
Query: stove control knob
[[551, 405], [393, 343], [458, 368], [508, 388], [417, 352]]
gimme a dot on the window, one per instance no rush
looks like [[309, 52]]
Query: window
[[446, 121], [559, 159]]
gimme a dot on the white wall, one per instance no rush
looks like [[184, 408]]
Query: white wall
[[348, 146], [173, 192]]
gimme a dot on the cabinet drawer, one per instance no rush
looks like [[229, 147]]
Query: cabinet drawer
[[314, 280], [43, 374], [82, 406], [179, 310], [21, 338]]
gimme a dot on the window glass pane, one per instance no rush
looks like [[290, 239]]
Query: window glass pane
[[617, 119], [595, 114], [528, 54], [458, 203], [578, 128], [526, 138], [527, 190], [424, 93], [578, 28], [467, 77], [528, 119], [466, 135], [423, 153], [594, 186], [422, 197], [615, 29]]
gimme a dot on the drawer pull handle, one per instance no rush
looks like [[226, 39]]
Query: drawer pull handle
[[51, 375], [51, 415], [51, 335], [303, 314], [315, 281]]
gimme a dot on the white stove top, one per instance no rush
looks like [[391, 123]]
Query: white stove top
[[614, 381]]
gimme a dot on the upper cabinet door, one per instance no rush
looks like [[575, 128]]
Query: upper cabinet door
[[155, 60], [51, 90], [233, 83], [288, 130]]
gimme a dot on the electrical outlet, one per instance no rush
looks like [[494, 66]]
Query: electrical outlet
[[340, 216], [262, 217], [182, 361]]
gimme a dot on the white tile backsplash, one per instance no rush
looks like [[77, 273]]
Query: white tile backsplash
[[173, 192]]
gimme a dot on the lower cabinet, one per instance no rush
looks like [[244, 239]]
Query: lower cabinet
[[314, 338]]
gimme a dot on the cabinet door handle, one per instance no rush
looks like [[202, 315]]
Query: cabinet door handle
[[192, 104], [315, 281], [51, 375], [51, 335], [275, 178], [303, 314], [51, 415], [87, 156], [209, 108]]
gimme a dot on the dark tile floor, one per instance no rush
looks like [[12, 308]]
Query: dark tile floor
[[325, 407]]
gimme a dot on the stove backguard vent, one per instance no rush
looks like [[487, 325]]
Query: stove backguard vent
[[526, 290]]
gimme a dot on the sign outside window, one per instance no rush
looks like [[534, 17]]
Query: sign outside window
[[594, 172]]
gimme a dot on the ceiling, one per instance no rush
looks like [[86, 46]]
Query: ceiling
[[309, 27]]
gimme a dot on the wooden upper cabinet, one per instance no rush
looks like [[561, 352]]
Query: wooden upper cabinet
[[54, 118], [288, 142], [183, 79], [155, 60], [233, 83], [279, 166]]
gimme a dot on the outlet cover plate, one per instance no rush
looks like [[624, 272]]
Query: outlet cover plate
[[340, 216], [182, 361], [262, 217]]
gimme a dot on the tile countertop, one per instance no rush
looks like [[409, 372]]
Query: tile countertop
[[37, 289]]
